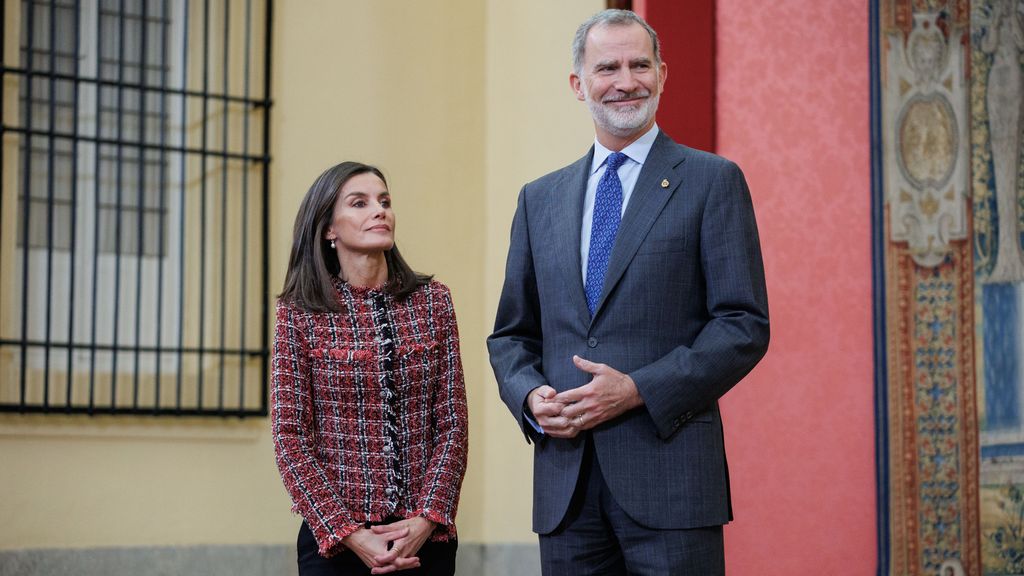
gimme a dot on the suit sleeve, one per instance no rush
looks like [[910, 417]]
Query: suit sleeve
[[690, 379], [312, 488], [515, 345]]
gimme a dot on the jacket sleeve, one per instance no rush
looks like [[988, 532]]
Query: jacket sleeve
[[439, 499], [515, 345], [690, 379], [313, 489]]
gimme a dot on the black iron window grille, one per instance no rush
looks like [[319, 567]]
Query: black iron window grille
[[133, 206]]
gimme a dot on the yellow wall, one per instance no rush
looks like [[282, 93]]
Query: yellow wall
[[460, 102], [534, 125]]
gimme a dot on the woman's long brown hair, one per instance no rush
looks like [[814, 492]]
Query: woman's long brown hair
[[312, 263]]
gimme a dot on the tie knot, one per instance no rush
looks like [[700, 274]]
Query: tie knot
[[615, 159]]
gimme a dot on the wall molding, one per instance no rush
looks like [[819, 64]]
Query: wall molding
[[474, 559]]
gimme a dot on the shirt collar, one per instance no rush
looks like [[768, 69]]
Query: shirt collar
[[637, 151]]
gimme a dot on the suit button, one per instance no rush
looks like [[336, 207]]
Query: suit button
[[592, 342]]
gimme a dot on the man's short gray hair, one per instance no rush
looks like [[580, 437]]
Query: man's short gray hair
[[609, 17]]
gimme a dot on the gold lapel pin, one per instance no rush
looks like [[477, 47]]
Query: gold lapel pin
[[664, 183]]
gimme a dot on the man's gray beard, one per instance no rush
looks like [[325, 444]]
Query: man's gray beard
[[626, 122]]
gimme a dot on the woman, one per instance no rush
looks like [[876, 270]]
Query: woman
[[368, 400]]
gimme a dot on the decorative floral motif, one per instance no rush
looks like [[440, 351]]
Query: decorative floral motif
[[937, 421], [1004, 545]]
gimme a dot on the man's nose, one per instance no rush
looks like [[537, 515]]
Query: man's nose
[[625, 80]]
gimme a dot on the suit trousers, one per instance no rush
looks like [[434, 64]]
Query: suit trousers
[[436, 559], [597, 537]]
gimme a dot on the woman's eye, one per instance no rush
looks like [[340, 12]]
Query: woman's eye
[[358, 204], [385, 203]]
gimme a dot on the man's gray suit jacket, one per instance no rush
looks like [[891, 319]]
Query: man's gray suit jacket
[[684, 312]]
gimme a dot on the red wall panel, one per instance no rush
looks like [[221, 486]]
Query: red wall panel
[[781, 87], [686, 31], [793, 112]]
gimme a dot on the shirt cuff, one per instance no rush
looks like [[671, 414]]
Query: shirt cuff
[[533, 423]]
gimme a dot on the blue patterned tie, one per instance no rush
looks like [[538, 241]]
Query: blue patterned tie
[[607, 214]]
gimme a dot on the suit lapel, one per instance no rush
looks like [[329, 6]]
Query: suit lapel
[[569, 200], [645, 205]]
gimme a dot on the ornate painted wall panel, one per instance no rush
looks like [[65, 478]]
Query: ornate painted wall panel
[[949, 228]]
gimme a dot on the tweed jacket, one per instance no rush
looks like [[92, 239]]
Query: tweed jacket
[[368, 411]]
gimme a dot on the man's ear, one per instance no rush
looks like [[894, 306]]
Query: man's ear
[[576, 83]]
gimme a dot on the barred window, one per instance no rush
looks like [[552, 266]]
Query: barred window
[[133, 213]]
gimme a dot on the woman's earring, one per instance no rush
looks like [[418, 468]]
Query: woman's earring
[[333, 245]]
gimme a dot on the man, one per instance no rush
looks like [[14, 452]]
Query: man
[[634, 298]]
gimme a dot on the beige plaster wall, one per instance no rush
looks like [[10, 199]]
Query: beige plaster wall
[[534, 125], [460, 102]]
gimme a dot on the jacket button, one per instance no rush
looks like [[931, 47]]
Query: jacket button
[[592, 342]]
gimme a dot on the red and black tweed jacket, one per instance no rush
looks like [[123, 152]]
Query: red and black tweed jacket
[[368, 410]]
